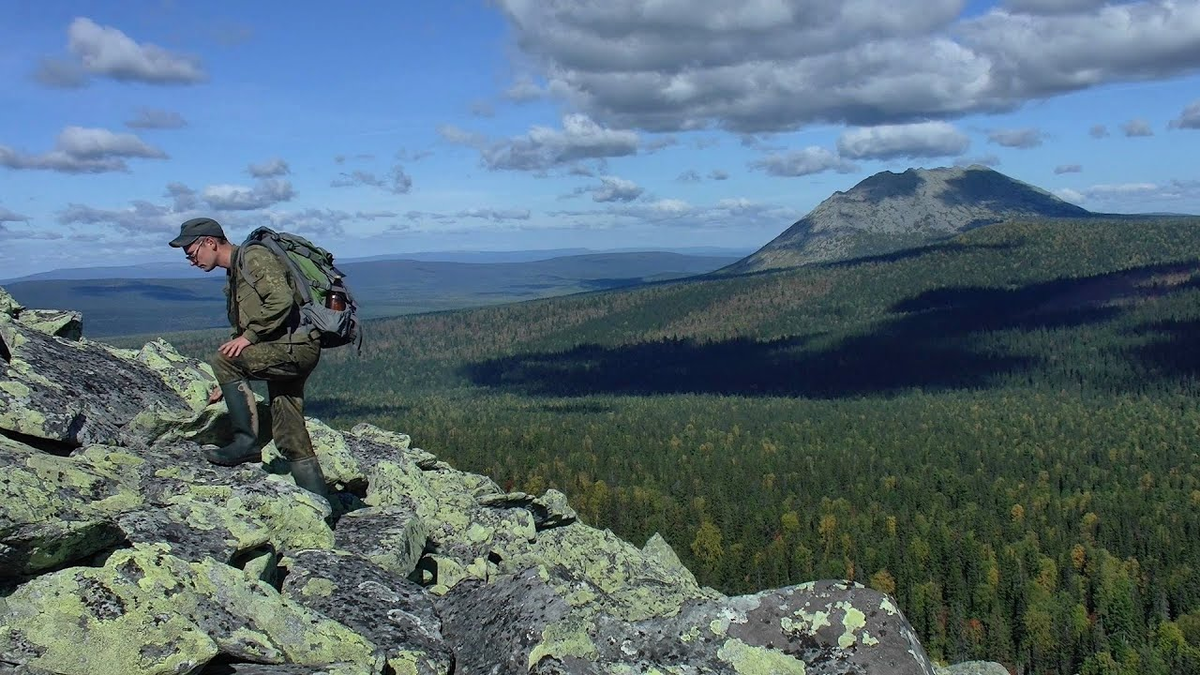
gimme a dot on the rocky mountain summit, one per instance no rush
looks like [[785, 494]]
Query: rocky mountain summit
[[891, 211], [123, 551]]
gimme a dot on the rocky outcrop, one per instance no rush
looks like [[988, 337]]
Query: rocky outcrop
[[889, 211], [123, 551]]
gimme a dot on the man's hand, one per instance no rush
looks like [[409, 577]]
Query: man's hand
[[215, 395], [234, 347]]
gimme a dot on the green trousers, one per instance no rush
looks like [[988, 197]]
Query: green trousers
[[285, 367]]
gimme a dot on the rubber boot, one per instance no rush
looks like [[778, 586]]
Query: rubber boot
[[308, 475], [243, 418]]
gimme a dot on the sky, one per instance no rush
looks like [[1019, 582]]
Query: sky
[[491, 125]]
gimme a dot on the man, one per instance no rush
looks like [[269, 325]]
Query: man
[[265, 345]]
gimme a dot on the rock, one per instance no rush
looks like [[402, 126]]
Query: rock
[[972, 668], [65, 324], [382, 606], [72, 394]]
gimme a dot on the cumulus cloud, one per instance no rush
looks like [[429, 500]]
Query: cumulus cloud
[[717, 174], [982, 160], [735, 213], [925, 139], [614, 189], [151, 118], [183, 198], [1053, 6], [1137, 128], [1133, 197], [523, 90], [1068, 168], [494, 215], [83, 150], [544, 148], [104, 51], [141, 218], [804, 162], [1016, 138], [269, 169], [689, 176], [1189, 118], [397, 181], [780, 65], [1098, 131], [7, 216], [263, 194]]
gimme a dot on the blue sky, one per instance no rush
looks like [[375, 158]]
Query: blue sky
[[533, 124]]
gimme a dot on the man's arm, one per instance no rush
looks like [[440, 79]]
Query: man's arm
[[267, 276]]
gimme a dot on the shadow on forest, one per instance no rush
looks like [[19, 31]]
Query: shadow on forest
[[917, 252], [926, 344]]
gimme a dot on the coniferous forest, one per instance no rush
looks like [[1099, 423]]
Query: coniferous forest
[[1001, 430]]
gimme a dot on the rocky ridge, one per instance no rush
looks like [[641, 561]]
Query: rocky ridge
[[122, 551], [891, 211]]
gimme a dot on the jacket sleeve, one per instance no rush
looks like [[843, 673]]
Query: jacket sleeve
[[267, 277]]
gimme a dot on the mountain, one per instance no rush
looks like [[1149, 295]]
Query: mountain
[[889, 211]]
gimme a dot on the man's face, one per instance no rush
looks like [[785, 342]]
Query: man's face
[[201, 253]]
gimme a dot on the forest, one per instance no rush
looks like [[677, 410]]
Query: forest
[[1001, 429]]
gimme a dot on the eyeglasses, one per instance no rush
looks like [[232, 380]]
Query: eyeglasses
[[191, 255]]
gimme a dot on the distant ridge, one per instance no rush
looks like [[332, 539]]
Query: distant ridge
[[891, 211]]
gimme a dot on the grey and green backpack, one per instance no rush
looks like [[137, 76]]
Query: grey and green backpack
[[313, 279]]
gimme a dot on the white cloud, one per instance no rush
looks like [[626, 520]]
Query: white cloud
[[1068, 168], [804, 162], [397, 181], [141, 218], [1140, 197], [83, 150], [495, 215], [543, 147], [1053, 6], [1016, 138], [689, 176], [777, 65], [523, 90], [183, 197], [717, 174], [265, 193], [1098, 131], [614, 189], [925, 139], [1189, 118], [982, 160], [7, 216], [269, 169], [1136, 128], [105, 51], [151, 118]]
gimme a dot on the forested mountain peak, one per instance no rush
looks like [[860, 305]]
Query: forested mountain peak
[[890, 211]]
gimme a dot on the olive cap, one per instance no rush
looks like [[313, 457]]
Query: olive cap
[[193, 229]]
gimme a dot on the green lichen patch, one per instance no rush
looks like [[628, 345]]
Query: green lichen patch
[[750, 660]]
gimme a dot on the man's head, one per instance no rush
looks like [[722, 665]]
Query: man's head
[[201, 239]]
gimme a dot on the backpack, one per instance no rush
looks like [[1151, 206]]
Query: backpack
[[313, 277]]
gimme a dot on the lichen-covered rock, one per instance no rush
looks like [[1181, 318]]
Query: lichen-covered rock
[[972, 668], [8, 304], [76, 393], [65, 324], [380, 605], [63, 509], [392, 537], [146, 611]]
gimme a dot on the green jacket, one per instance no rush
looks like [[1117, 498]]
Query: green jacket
[[263, 308]]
